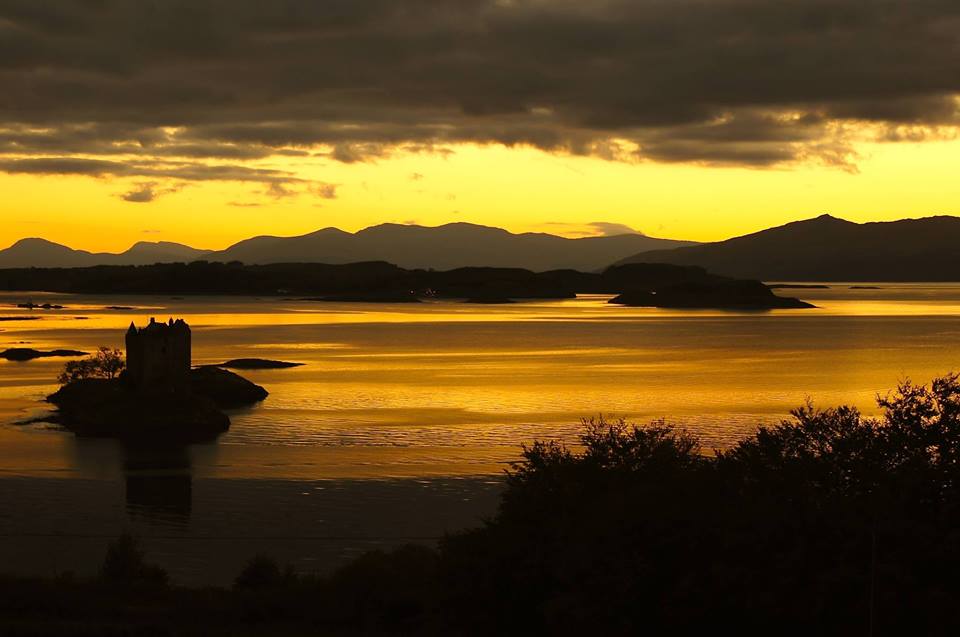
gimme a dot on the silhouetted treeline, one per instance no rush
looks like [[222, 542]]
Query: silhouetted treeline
[[829, 523], [371, 280]]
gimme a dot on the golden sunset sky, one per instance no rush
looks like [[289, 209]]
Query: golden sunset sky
[[520, 189], [212, 121]]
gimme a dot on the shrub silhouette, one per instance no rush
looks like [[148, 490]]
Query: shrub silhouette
[[264, 573], [106, 363], [124, 563], [394, 591], [828, 521], [379, 591]]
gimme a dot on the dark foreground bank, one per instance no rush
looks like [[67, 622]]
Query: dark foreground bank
[[830, 523]]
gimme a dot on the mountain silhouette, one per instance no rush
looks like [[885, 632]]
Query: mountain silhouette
[[453, 245], [159, 252], [40, 253], [830, 249], [443, 247]]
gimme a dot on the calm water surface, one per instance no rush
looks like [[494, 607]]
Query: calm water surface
[[403, 416]]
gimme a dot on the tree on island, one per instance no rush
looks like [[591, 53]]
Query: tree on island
[[106, 363]]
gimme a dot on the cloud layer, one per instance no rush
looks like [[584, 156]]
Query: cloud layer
[[197, 90], [591, 229]]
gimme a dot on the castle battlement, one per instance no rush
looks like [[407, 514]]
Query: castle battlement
[[159, 356]]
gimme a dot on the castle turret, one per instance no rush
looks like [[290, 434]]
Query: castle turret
[[159, 356]]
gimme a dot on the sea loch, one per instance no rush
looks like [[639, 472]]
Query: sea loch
[[402, 408]]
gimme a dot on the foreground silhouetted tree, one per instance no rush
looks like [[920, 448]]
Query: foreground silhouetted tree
[[106, 363], [828, 521], [264, 573], [125, 564]]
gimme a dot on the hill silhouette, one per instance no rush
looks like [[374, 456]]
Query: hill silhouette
[[449, 246], [830, 249], [40, 253], [454, 245]]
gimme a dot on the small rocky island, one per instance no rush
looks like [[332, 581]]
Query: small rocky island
[[24, 354], [720, 294], [157, 395], [256, 363]]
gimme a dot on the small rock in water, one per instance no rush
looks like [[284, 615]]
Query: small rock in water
[[257, 363], [21, 354]]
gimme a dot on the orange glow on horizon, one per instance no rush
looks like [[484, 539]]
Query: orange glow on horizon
[[519, 189]]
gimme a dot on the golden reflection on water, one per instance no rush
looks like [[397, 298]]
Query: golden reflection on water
[[444, 388]]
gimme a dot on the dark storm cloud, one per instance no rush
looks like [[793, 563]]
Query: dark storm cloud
[[748, 82], [63, 166], [168, 170]]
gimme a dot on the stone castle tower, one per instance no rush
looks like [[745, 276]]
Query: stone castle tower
[[159, 357]]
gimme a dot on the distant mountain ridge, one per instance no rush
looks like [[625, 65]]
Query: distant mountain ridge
[[827, 248], [452, 245], [40, 253], [448, 246]]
